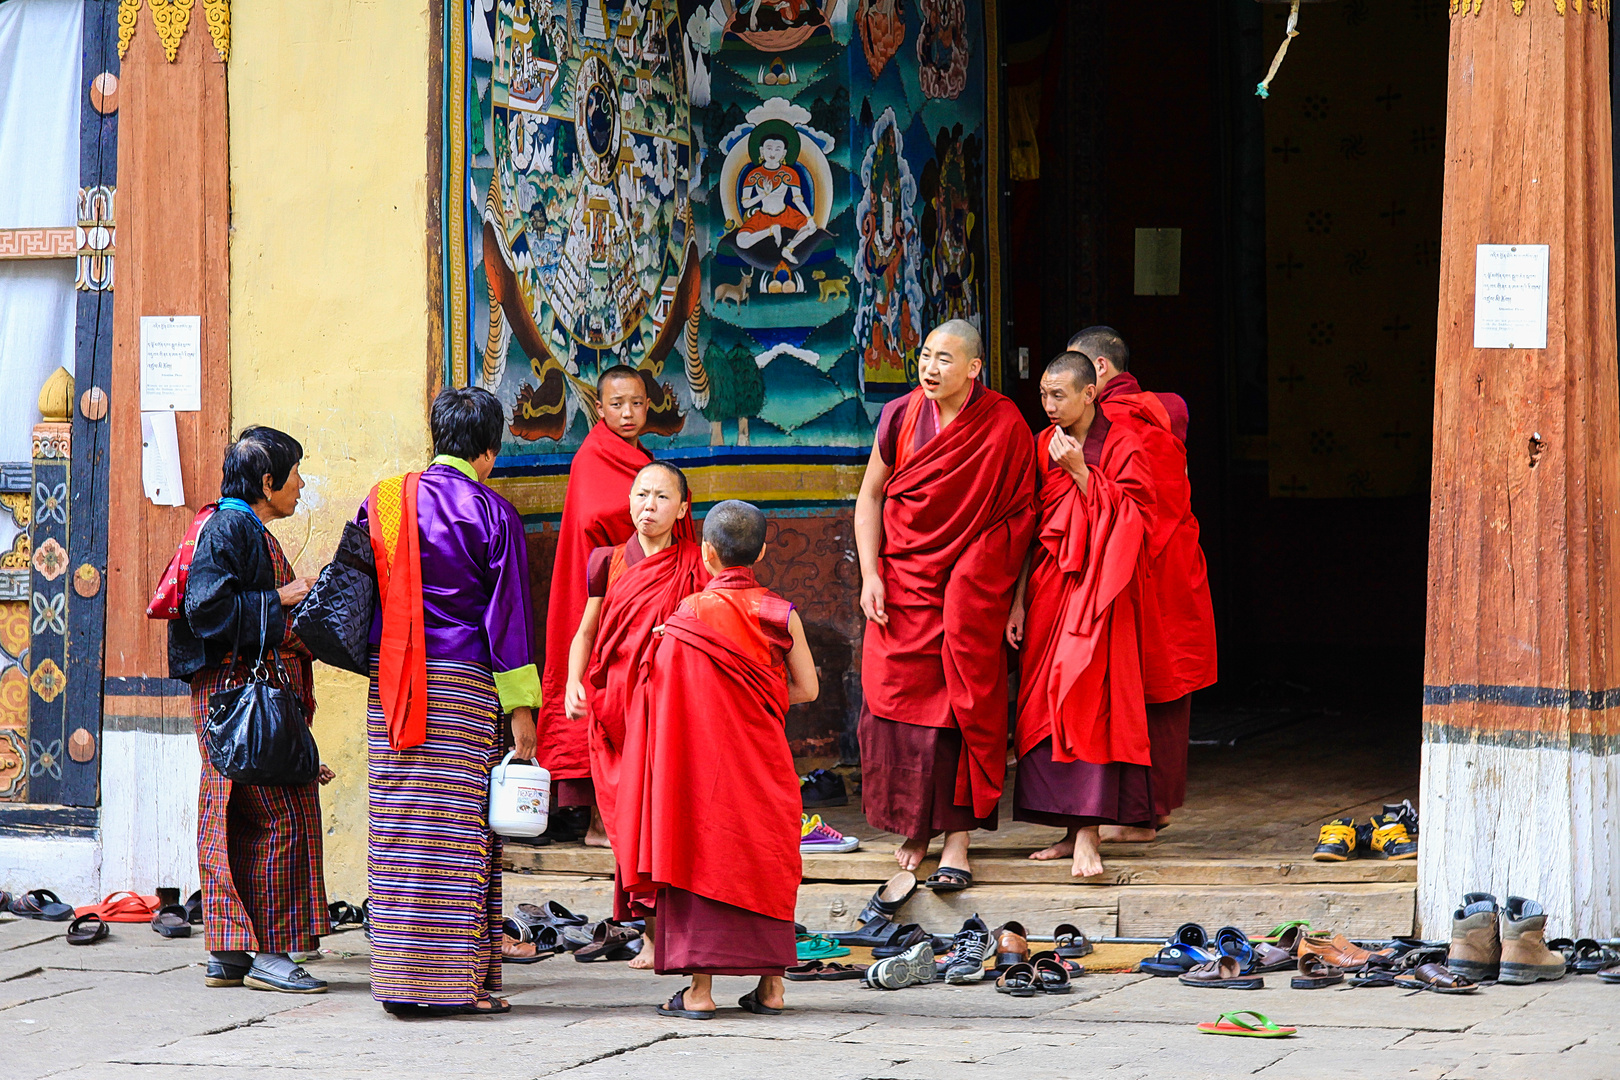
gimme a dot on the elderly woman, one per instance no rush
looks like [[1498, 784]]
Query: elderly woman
[[258, 848], [452, 638]]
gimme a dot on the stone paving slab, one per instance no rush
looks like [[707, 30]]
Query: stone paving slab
[[595, 1021]]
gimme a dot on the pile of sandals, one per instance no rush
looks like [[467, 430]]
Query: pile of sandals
[[1232, 960], [536, 932]]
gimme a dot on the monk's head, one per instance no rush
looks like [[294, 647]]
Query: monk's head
[[733, 535], [1069, 389], [951, 358], [467, 423], [623, 398], [1106, 349], [659, 498]]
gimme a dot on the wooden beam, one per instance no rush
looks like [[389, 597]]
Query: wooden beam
[[1521, 679]]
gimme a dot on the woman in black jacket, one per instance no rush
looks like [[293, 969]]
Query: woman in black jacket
[[258, 847]]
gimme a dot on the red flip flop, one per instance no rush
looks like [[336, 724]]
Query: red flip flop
[[123, 907]]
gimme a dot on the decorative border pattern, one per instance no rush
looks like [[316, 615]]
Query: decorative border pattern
[[96, 238], [37, 244]]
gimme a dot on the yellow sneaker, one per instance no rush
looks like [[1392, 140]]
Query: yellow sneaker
[[1337, 841], [1390, 840]]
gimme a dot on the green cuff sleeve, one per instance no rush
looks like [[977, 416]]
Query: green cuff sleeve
[[519, 687]]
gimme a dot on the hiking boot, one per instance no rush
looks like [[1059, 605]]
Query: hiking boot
[[1390, 839], [1476, 944], [820, 788], [1525, 956], [1337, 841], [971, 945]]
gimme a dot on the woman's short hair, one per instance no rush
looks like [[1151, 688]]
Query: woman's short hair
[[256, 452], [466, 422]]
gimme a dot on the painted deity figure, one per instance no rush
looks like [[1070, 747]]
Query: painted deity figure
[[773, 199], [779, 14]]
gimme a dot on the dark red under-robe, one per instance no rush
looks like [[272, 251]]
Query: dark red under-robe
[[1178, 647], [640, 596], [708, 807], [958, 515]]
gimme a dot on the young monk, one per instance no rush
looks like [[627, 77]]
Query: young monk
[[708, 801], [1082, 728], [632, 588], [1178, 629], [593, 517]]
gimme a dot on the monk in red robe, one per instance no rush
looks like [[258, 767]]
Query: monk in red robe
[[944, 516], [632, 589], [1083, 748], [594, 515], [1178, 631], [707, 810]]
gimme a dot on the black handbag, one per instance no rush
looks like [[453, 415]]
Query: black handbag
[[334, 618], [257, 732]]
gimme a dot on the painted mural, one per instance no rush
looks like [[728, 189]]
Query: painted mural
[[761, 205]]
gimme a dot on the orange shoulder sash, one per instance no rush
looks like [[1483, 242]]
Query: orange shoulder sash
[[402, 655]]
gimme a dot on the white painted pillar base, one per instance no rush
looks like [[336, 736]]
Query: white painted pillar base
[[1538, 823]]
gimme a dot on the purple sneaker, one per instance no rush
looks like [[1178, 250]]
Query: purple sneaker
[[816, 835]]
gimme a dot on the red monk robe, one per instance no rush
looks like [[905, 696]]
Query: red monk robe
[[708, 803], [639, 594], [596, 513], [1082, 736], [958, 516], [1178, 648]]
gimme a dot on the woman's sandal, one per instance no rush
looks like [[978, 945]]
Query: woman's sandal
[[87, 930], [1258, 1027], [750, 1002], [1315, 973], [525, 944], [676, 1007], [1438, 978], [947, 879]]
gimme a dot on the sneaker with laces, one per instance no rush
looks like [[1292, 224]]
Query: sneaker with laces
[[1390, 840], [816, 836], [971, 945], [1337, 841], [913, 967], [1406, 812]]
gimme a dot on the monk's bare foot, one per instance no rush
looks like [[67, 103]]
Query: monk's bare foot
[[1087, 858], [769, 992], [1128, 834], [596, 835], [911, 853], [643, 960], [699, 996], [1162, 821], [1060, 850]]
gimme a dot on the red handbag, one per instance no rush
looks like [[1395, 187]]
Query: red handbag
[[169, 599]]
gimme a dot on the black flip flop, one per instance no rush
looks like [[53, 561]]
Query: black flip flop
[[1070, 943], [170, 921], [947, 879], [750, 1002], [86, 930], [676, 1007], [41, 904]]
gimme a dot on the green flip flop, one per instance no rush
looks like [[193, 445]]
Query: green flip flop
[[1258, 1027], [819, 947]]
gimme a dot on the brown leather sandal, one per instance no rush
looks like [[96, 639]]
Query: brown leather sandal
[[1439, 978], [1314, 974]]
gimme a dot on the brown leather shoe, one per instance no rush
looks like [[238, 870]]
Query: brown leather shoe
[[1012, 945], [1336, 951]]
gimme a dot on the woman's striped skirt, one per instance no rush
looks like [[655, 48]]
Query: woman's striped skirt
[[434, 866]]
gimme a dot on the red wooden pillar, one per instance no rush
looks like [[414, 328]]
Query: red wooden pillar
[[1521, 706]]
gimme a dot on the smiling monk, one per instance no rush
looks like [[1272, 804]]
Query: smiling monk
[[595, 515], [944, 516]]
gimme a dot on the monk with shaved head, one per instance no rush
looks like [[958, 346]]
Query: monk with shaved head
[[944, 516]]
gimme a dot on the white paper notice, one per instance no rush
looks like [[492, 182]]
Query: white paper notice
[[1510, 296], [171, 363], [160, 459]]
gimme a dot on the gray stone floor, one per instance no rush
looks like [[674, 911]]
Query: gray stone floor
[[135, 1006]]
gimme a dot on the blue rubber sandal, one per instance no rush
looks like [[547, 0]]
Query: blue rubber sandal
[[1174, 960]]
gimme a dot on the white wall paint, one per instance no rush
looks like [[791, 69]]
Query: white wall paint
[[149, 811], [68, 866], [1543, 824]]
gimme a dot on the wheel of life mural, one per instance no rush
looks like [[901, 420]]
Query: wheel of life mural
[[588, 251]]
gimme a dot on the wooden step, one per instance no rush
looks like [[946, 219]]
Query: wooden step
[[1124, 865], [1364, 910]]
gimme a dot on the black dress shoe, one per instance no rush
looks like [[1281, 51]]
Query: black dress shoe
[[281, 975], [822, 788]]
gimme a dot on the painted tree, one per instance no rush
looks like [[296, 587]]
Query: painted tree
[[737, 391]]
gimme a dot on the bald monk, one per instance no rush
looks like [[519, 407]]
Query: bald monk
[[1082, 739], [595, 515], [1178, 632], [944, 516], [633, 587], [707, 815]]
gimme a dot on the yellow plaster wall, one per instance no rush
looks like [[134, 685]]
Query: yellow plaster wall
[[329, 321]]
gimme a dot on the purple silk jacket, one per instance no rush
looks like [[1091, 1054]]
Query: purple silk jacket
[[475, 580]]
